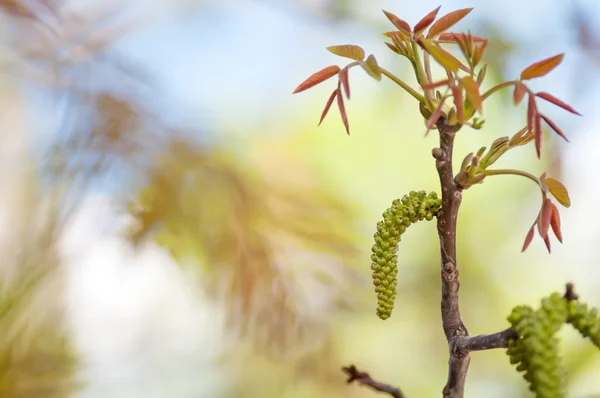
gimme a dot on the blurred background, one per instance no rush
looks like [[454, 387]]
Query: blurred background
[[174, 224]]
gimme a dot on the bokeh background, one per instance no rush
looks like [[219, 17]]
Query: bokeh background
[[174, 224]]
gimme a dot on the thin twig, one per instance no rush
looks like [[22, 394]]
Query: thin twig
[[354, 375]]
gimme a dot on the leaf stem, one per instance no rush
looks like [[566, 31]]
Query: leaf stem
[[405, 86], [521, 173], [421, 77], [498, 87]]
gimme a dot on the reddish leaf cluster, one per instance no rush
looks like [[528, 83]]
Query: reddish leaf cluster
[[534, 117], [353, 52], [549, 215]]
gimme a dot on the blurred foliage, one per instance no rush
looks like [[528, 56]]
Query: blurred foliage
[[260, 245], [37, 358]]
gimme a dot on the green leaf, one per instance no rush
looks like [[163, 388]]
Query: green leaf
[[558, 190], [348, 51], [371, 67], [444, 58]]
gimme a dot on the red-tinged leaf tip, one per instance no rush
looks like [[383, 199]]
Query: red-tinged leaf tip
[[558, 190], [531, 111], [528, 239], [554, 127], [328, 105], [557, 102], [458, 103], [547, 242], [433, 119], [541, 68], [447, 21], [342, 108], [454, 37], [348, 51], [538, 135], [392, 47], [555, 223], [426, 21], [398, 23], [317, 78], [343, 76], [545, 217], [519, 92], [432, 85]]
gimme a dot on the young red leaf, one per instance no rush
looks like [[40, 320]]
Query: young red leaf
[[554, 127], [542, 67], [547, 242], [340, 102], [435, 116], [479, 51], [447, 21], [531, 111], [545, 217], [528, 239], [343, 76], [328, 105], [393, 48], [557, 102], [458, 103], [538, 135], [472, 90], [555, 223], [348, 51], [444, 58], [317, 78], [558, 190], [452, 37], [519, 93], [426, 21], [398, 23]]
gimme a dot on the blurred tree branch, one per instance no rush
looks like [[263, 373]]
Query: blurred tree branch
[[354, 375]]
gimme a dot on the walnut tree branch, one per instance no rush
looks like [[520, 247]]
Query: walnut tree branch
[[458, 363], [366, 380]]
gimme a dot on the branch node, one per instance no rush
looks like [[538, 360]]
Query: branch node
[[570, 294], [437, 153]]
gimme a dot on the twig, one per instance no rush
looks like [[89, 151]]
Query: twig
[[459, 360], [366, 380], [484, 341]]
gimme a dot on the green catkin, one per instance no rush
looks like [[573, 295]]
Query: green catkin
[[415, 206], [535, 352], [585, 320]]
